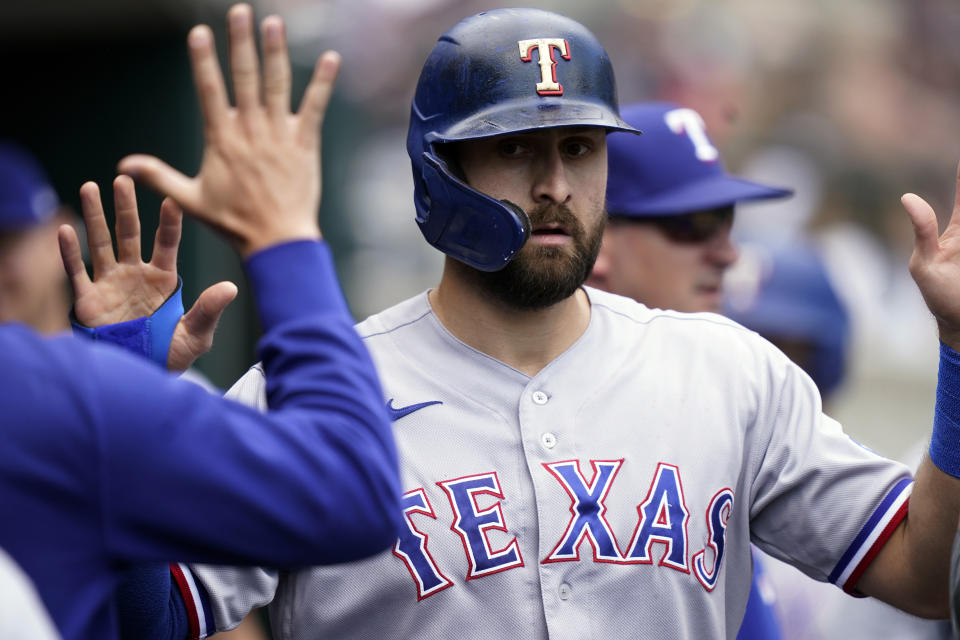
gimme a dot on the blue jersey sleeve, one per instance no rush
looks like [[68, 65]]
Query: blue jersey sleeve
[[312, 482], [109, 461]]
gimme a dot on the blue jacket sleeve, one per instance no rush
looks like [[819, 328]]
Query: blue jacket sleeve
[[146, 468], [117, 463], [314, 481]]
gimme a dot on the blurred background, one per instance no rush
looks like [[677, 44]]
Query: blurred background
[[850, 103]]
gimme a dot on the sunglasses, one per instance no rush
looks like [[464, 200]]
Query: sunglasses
[[688, 228]]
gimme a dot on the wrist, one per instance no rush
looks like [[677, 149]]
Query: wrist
[[266, 239], [149, 336], [949, 335], [945, 440]]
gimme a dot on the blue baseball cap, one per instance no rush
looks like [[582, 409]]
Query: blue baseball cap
[[786, 293], [26, 196], [673, 168]]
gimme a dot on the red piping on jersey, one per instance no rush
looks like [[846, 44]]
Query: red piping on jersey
[[850, 585], [192, 616]]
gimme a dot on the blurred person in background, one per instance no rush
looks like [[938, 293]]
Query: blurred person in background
[[785, 293], [671, 207], [667, 242], [33, 287]]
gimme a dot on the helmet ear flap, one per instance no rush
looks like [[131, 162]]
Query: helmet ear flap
[[521, 215], [467, 225]]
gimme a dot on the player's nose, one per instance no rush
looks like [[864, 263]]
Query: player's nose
[[550, 177], [721, 249]]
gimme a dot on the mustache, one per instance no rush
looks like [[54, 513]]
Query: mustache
[[554, 213]]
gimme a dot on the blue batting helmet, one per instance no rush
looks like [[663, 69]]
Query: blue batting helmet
[[673, 169], [498, 72], [793, 299]]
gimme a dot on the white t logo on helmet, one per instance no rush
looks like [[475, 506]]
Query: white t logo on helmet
[[548, 85], [689, 122]]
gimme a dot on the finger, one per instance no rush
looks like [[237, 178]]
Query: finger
[[924, 221], [955, 214], [208, 77], [73, 260], [167, 241], [163, 178], [201, 320], [313, 106], [98, 233], [127, 220], [244, 66], [276, 69]]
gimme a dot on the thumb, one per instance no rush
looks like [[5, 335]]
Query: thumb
[[202, 318], [925, 229], [161, 177], [194, 333]]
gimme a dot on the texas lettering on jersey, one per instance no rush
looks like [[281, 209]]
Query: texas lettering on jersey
[[662, 520]]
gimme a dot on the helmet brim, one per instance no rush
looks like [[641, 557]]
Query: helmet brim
[[518, 116]]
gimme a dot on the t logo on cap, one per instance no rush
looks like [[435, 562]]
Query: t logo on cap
[[548, 85], [691, 123]]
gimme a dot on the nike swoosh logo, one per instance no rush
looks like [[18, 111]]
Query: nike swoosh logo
[[399, 412]]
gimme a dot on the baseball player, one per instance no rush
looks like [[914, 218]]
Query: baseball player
[[667, 241], [109, 462], [575, 464]]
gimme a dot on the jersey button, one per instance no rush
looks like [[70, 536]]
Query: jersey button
[[549, 440], [539, 397], [564, 591]]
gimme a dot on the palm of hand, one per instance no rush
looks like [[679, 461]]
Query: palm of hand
[[124, 287], [126, 292]]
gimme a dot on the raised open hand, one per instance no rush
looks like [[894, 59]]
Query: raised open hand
[[935, 263], [123, 286], [260, 177]]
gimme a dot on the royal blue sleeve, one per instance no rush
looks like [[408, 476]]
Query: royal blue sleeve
[[312, 482], [108, 461], [170, 472]]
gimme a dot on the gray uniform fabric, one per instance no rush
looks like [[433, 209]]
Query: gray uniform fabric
[[685, 429]]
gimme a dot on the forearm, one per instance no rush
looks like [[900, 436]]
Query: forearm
[[912, 570], [350, 413]]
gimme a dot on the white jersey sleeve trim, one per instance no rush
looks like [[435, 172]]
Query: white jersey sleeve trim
[[198, 609], [874, 534]]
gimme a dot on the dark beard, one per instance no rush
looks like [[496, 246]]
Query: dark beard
[[539, 277]]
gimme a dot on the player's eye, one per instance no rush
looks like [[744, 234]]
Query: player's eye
[[576, 148], [511, 149]]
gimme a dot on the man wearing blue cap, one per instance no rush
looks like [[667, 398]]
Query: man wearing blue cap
[[670, 202], [33, 289]]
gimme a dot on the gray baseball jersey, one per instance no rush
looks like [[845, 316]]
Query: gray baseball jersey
[[614, 494]]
